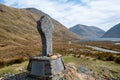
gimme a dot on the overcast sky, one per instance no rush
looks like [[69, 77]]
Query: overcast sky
[[101, 13]]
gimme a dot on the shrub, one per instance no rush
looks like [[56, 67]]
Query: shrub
[[117, 60], [11, 61], [110, 57], [1, 63]]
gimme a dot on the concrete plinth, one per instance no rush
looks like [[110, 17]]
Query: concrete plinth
[[44, 67]]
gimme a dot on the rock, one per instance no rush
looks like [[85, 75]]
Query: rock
[[70, 73], [84, 70], [45, 28], [54, 57], [1, 78]]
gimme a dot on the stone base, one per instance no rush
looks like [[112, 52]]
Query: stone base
[[45, 67]]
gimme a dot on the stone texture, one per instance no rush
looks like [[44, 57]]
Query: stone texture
[[45, 28], [38, 68], [45, 67], [57, 66]]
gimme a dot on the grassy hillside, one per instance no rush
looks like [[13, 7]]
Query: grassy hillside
[[19, 37]]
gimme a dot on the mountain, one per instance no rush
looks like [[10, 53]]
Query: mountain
[[19, 35], [87, 31], [114, 32], [60, 30]]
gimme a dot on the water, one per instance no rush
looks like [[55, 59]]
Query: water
[[101, 39], [104, 50], [117, 43]]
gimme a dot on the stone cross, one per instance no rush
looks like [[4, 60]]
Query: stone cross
[[45, 28]]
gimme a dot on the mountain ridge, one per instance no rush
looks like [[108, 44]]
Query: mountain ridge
[[87, 31], [113, 32]]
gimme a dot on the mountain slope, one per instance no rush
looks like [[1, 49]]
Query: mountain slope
[[19, 35], [60, 30], [114, 32], [87, 31]]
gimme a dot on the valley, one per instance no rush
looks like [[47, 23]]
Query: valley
[[80, 55], [20, 40]]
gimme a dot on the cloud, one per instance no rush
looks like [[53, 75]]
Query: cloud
[[101, 13]]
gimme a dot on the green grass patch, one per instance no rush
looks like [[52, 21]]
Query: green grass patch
[[109, 69], [15, 68], [68, 59]]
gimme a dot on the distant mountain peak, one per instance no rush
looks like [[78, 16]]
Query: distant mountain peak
[[114, 32], [34, 10], [80, 25], [87, 31]]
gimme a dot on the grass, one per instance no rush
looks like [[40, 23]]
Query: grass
[[19, 35], [105, 68], [13, 68], [68, 59], [15, 52], [108, 69]]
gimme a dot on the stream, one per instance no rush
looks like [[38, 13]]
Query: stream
[[104, 50]]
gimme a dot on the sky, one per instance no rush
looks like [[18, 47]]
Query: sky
[[101, 13]]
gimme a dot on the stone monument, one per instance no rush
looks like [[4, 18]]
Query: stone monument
[[45, 28], [47, 65]]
